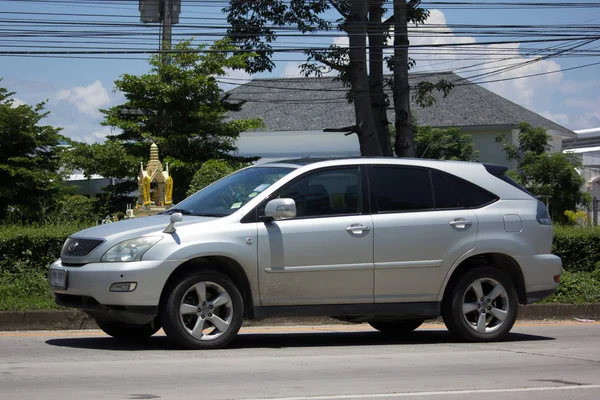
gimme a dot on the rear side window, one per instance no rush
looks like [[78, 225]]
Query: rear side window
[[398, 189], [500, 172], [452, 192]]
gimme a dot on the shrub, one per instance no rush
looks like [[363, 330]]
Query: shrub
[[578, 247], [37, 246], [211, 171], [577, 288], [25, 288]]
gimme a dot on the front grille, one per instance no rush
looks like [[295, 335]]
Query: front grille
[[79, 247]]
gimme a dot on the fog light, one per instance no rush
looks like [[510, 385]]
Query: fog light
[[557, 278], [123, 287]]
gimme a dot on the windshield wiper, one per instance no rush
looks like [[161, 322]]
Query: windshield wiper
[[209, 215], [186, 212], [175, 210]]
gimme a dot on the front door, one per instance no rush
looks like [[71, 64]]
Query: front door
[[325, 254]]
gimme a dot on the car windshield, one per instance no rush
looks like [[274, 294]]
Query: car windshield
[[227, 195]]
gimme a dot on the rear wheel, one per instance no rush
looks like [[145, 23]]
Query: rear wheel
[[396, 328], [128, 332], [204, 310], [482, 306]]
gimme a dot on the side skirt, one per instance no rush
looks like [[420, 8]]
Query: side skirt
[[420, 310]]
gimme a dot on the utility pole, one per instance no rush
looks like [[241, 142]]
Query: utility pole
[[167, 30], [165, 12]]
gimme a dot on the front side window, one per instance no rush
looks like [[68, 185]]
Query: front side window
[[401, 189], [330, 192], [227, 195]]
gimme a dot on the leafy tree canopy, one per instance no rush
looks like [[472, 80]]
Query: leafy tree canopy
[[180, 107], [444, 144], [550, 176], [29, 159], [109, 159], [211, 171]]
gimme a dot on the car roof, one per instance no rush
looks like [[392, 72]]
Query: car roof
[[302, 162]]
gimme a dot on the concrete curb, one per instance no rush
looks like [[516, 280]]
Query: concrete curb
[[72, 319]]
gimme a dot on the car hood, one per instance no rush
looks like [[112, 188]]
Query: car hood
[[116, 232], [136, 227]]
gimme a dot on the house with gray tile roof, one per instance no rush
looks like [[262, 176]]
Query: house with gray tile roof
[[297, 110]]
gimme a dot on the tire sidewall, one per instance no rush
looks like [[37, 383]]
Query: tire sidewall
[[459, 327], [170, 314], [122, 331]]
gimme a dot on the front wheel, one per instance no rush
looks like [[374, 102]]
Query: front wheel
[[203, 310], [396, 328], [482, 306], [128, 332]]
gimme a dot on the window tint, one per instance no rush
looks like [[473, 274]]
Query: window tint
[[452, 192], [329, 192], [401, 189]]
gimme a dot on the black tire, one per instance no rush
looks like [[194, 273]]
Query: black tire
[[128, 332], [179, 327], [396, 328], [462, 322]]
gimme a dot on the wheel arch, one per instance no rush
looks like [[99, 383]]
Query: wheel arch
[[500, 261], [222, 264]]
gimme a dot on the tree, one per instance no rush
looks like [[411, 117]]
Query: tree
[[550, 176], [211, 171], [29, 159], [443, 144], [180, 107], [253, 27], [109, 160]]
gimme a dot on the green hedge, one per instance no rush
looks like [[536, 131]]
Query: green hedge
[[36, 246], [26, 252], [578, 247]]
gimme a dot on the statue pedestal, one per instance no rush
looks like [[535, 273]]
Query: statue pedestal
[[150, 210]]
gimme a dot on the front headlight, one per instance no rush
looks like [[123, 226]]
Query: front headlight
[[130, 250]]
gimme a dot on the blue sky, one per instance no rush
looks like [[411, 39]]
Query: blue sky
[[77, 88]]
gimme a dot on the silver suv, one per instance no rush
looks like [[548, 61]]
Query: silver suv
[[391, 242]]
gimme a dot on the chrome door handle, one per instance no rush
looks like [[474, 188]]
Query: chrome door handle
[[357, 229], [460, 223]]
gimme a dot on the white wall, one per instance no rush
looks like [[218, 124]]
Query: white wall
[[490, 151]]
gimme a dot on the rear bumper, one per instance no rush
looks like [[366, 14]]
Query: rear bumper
[[539, 272]]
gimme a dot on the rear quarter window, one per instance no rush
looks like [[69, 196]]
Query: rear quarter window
[[452, 192]]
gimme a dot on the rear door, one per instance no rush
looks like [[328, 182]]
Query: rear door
[[422, 225]]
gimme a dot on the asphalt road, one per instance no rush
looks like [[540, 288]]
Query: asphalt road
[[346, 362]]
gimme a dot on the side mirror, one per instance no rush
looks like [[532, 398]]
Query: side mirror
[[280, 209], [175, 217]]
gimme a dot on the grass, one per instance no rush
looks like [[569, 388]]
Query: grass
[[577, 288], [28, 289], [25, 290]]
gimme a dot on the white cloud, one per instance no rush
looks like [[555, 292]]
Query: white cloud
[[101, 134], [234, 78], [292, 69], [571, 87], [487, 59], [342, 41], [87, 99], [17, 102], [559, 118]]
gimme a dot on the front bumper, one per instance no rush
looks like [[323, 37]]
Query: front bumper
[[539, 272], [90, 283]]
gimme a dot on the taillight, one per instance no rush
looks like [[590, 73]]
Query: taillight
[[542, 215]]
